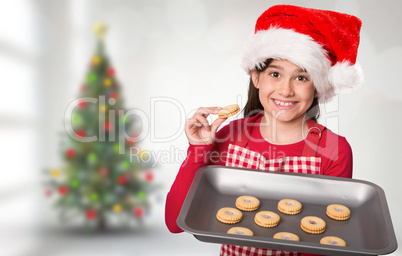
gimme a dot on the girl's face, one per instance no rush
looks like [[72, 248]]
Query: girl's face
[[285, 90]]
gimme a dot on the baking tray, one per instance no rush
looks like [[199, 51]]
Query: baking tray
[[369, 230]]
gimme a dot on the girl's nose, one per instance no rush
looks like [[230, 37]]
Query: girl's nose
[[286, 89]]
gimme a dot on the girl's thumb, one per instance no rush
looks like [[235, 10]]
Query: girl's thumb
[[215, 125]]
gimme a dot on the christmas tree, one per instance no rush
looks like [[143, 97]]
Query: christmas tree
[[105, 174]]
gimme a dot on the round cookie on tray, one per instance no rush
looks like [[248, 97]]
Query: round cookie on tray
[[240, 231], [267, 219], [287, 236], [313, 225], [333, 240], [247, 203], [229, 215], [338, 212], [289, 206]]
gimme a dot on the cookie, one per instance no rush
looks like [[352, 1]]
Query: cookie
[[289, 206], [333, 240], [247, 203], [286, 236], [338, 212], [313, 225], [266, 219], [229, 215], [240, 231], [229, 111]]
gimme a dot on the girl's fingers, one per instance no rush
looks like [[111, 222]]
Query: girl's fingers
[[202, 121], [200, 117], [205, 111]]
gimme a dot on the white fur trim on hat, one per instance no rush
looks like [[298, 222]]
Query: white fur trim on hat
[[300, 49], [345, 77]]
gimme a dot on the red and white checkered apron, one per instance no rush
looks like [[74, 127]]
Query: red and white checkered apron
[[242, 157]]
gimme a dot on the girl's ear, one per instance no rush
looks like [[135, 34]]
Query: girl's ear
[[254, 78]]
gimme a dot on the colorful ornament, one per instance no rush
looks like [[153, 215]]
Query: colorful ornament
[[94, 196], [75, 183], [144, 155], [96, 60], [113, 95], [76, 119], [132, 139], [122, 180], [107, 126], [70, 153], [103, 108], [81, 104], [125, 165], [91, 77], [91, 214], [141, 194], [117, 208], [80, 133], [149, 176], [54, 173], [110, 71], [107, 82], [138, 212], [116, 147], [125, 119], [92, 158], [63, 190]]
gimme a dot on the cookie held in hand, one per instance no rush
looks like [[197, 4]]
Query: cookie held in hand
[[229, 111]]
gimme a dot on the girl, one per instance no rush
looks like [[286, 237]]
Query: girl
[[296, 58]]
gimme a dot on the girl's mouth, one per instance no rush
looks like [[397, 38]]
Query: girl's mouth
[[284, 104]]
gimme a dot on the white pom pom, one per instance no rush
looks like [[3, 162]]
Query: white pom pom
[[345, 77]]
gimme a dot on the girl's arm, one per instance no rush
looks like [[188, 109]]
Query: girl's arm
[[201, 136], [340, 162], [197, 157]]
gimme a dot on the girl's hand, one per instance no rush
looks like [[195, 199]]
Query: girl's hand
[[197, 128]]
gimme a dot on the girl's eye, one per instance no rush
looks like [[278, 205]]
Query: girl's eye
[[302, 78], [275, 74]]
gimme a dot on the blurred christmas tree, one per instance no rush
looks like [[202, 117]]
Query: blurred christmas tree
[[105, 174]]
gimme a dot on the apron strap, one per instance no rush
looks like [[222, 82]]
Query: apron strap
[[245, 132], [313, 138]]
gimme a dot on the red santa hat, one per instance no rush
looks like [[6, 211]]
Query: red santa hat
[[322, 42]]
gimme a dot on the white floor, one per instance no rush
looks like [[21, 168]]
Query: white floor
[[29, 227]]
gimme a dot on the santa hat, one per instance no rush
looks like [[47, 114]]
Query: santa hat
[[322, 42]]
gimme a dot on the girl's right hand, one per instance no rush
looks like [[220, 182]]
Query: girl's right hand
[[197, 128]]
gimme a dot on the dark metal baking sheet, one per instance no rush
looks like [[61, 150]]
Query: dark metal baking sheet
[[369, 231]]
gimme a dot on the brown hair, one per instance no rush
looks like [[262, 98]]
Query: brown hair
[[254, 106]]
